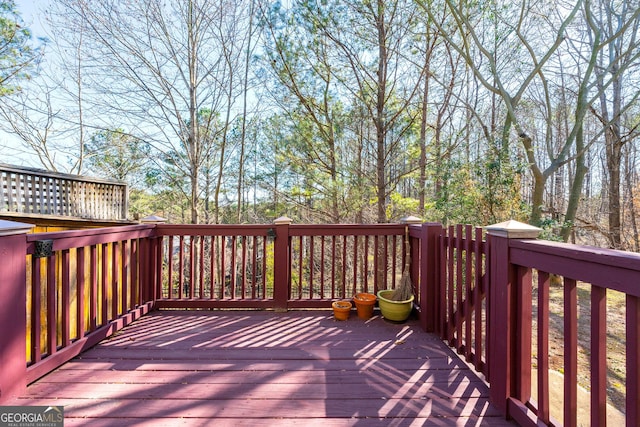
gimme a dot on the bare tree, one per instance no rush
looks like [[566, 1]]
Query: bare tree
[[615, 27], [30, 117], [381, 91], [490, 67], [358, 62], [299, 59], [162, 70], [249, 47]]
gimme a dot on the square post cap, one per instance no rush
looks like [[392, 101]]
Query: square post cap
[[411, 220], [153, 219], [512, 229], [282, 220], [10, 228]]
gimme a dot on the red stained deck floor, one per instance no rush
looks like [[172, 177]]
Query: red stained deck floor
[[262, 368]]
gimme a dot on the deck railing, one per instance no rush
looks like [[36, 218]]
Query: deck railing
[[282, 266], [488, 299], [82, 286], [26, 191], [523, 272], [78, 284], [461, 293], [493, 305]]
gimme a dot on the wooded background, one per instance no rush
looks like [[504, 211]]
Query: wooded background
[[336, 111]]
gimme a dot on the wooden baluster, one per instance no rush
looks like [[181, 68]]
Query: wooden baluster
[[570, 353], [598, 356]]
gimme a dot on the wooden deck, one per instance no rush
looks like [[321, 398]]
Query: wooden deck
[[233, 368]]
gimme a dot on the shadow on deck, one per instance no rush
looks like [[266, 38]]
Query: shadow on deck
[[231, 368]]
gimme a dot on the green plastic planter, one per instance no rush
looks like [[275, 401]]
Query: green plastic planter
[[397, 311]]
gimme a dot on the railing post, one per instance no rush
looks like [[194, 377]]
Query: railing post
[[502, 300], [13, 308], [152, 286], [429, 276], [281, 273]]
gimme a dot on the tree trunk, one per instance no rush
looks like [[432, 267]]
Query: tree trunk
[[422, 162], [380, 116], [613, 151], [537, 198], [630, 183], [194, 197], [576, 188], [245, 91], [194, 137]]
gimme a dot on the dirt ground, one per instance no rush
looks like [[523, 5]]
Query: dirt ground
[[615, 351]]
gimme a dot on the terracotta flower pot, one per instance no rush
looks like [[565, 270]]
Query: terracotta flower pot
[[341, 309], [364, 304], [397, 311]]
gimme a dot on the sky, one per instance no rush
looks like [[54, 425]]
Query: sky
[[30, 11]]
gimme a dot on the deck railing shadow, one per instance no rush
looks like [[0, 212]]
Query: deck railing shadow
[[400, 384], [474, 289]]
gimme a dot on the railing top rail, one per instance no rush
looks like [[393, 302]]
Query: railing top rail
[[608, 268], [80, 238], [213, 229], [50, 174], [346, 229], [591, 254], [294, 229]]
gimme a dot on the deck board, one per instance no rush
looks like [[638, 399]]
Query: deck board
[[258, 368]]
